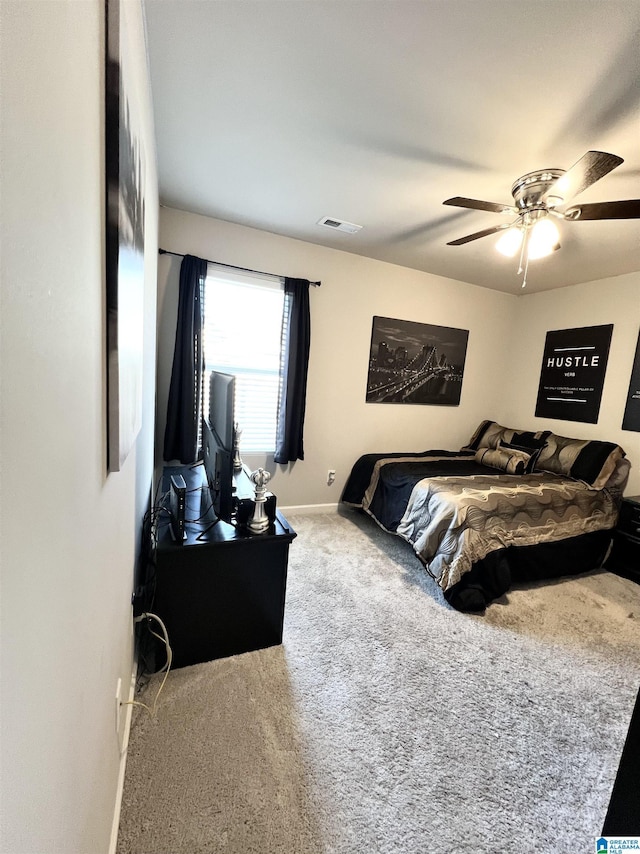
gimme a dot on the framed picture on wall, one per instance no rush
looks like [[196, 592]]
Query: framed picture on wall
[[572, 374], [631, 420], [413, 362], [125, 200]]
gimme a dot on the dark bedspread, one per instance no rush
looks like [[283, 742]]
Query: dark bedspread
[[362, 471], [390, 495]]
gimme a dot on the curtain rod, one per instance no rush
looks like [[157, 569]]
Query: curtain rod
[[232, 266]]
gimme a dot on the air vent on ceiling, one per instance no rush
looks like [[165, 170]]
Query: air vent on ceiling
[[339, 224]]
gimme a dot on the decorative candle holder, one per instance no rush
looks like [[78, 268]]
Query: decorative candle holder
[[259, 521], [237, 460]]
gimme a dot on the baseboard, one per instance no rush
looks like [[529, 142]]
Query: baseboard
[[113, 844], [309, 508]]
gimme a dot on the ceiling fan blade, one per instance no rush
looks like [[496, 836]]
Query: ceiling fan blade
[[627, 209], [590, 168], [474, 204], [478, 234]]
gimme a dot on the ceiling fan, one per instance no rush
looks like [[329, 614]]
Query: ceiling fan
[[537, 198]]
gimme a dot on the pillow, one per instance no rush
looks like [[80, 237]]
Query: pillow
[[474, 441], [528, 439], [591, 461], [490, 433], [528, 443], [508, 460], [617, 480]]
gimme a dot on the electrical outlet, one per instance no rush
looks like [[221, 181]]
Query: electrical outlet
[[118, 705], [331, 476]]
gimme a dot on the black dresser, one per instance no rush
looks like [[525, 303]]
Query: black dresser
[[624, 558], [222, 592]]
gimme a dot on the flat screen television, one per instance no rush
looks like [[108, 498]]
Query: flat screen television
[[222, 391], [217, 444]]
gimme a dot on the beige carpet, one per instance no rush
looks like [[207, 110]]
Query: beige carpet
[[387, 722]]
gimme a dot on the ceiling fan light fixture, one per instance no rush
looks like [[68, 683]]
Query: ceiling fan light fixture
[[537, 197], [543, 239], [510, 242]]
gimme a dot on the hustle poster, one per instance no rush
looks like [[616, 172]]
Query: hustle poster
[[631, 420], [572, 375]]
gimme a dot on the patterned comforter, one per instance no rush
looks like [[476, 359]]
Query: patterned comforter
[[454, 522], [454, 511]]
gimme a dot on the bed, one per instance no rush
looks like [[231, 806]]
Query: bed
[[511, 506]]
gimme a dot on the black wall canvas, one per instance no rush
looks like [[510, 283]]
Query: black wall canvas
[[415, 362], [124, 166], [631, 420], [572, 375]]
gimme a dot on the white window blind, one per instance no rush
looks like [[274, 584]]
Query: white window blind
[[242, 336]]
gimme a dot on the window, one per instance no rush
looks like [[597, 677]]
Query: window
[[242, 336]]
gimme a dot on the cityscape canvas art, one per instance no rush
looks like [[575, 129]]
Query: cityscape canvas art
[[413, 362]]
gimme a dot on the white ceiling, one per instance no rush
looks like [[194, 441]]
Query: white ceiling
[[275, 113]]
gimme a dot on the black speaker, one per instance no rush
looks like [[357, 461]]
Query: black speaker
[[245, 506], [244, 511], [270, 506]]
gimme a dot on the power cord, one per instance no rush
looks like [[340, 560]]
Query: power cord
[[165, 639]]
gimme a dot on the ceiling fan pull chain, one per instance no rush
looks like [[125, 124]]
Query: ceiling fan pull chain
[[526, 270], [522, 248]]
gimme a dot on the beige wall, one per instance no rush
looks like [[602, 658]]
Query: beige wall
[[615, 301], [69, 533], [339, 425], [506, 341]]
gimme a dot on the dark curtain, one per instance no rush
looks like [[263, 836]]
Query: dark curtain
[[185, 391], [296, 338]]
